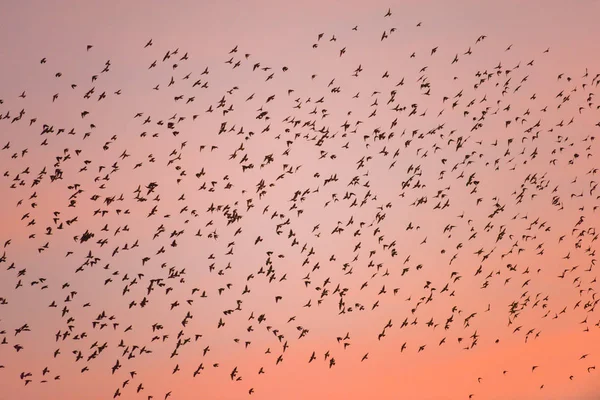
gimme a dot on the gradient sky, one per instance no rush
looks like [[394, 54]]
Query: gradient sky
[[522, 267]]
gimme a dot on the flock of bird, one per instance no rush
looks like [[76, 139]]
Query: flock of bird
[[400, 196]]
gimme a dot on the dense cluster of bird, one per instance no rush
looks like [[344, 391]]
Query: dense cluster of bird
[[400, 196]]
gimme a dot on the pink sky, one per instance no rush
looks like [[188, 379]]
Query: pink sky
[[277, 35]]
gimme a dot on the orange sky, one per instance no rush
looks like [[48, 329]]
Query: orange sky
[[462, 239]]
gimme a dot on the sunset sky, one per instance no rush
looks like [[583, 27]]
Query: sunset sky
[[468, 212]]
